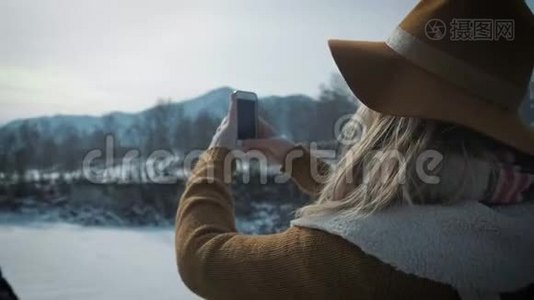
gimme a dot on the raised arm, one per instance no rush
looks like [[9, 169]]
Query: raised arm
[[216, 262], [306, 170]]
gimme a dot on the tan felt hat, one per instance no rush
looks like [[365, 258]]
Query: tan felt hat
[[463, 62]]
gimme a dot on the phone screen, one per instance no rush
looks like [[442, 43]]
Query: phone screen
[[246, 119]]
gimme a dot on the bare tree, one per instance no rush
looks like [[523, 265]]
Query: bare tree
[[158, 126], [28, 141], [335, 101]]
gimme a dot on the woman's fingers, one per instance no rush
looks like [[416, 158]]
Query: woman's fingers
[[232, 112], [265, 130], [226, 133], [273, 148], [261, 145], [256, 143]]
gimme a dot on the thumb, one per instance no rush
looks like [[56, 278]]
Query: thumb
[[259, 144], [232, 111]]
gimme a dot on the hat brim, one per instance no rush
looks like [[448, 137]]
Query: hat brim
[[388, 83]]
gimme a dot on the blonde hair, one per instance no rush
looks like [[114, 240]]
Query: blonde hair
[[381, 168]]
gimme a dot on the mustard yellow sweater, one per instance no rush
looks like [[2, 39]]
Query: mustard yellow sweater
[[216, 262]]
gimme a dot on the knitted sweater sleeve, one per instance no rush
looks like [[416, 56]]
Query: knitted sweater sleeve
[[306, 170], [216, 262]]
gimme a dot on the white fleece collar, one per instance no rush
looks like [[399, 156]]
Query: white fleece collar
[[468, 245]]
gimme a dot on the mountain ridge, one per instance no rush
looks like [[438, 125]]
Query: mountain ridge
[[124, 125], [17, 122], [217, 92]]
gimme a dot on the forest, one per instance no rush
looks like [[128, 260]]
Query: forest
[[41, 160]]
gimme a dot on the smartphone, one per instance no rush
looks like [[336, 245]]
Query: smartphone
[[247, 114]]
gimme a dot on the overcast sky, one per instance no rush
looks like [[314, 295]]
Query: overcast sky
[[96, 56]]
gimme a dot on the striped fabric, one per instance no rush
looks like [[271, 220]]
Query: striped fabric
[[511, 183]]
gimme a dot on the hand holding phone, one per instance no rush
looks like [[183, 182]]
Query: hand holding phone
[[240, 123]]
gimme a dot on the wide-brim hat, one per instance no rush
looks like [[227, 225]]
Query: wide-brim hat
[[462, 62]]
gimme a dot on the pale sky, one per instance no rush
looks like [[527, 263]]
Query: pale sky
[[96, 56]]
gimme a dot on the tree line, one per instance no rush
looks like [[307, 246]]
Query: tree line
[[166, 126]]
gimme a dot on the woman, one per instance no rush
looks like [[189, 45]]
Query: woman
[[433, 202]]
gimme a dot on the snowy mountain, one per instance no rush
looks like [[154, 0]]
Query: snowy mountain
[[59, 125], [124, 125]]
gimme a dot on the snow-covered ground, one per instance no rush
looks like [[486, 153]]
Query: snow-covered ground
[[60, 262]]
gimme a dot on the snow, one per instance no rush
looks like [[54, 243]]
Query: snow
[[60, 262]]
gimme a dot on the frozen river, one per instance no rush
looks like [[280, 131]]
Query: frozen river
[[60, 262]]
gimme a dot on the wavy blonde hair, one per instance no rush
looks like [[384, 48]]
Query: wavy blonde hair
[[381, 168]]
